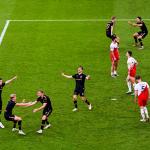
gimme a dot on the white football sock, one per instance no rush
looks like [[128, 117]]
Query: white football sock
[[146, 112], [115, 72], [142, 113], [129, 86]]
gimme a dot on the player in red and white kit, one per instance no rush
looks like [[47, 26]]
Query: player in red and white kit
[[114, 56], [142, 91], [131, 63]]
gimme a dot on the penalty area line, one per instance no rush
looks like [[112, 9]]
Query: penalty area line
[[4, 31]]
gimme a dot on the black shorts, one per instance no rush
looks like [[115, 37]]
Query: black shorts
[[143, 34], [79, 92], [108, 34], [47, 112], [9, 117]]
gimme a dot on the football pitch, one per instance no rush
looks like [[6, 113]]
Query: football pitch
[[44, 39]]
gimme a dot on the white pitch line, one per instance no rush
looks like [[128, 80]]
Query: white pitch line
[[4, 31], [70, 20]]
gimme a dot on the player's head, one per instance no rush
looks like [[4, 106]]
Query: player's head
[[113, 18], [138, 78], [40, 93], [80, 69], [129, 53], [138, 19], [1, 81], [114, 38], [13, 97]]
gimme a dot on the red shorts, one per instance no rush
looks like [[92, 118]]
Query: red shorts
[[132, 73], [116, 54], [142, 102]]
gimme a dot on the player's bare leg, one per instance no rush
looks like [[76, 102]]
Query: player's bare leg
[[115, 68], [135, 36], [112, 69], [130, 83], [48, 125], [19, 121], [87, 102], [75, 103], [44, 117], [140, 41]]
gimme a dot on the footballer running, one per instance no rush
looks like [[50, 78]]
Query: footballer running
[[46, 107], [132, 64], [80, 87], [142, 93], [138, 36]]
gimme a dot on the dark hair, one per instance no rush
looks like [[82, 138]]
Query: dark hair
[[130, 53], [138, 77], [81, 67], [113, 17], [1, 79], [139, 17], [113, 37]]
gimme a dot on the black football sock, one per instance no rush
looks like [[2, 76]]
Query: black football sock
[[136, 41], [47, 122], [75, 104], [43, 124], [87, 102], [141, 43], [15, 122], [20, 124]]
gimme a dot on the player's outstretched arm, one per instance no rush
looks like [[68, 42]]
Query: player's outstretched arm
[[40, 108], [9, 81], [26, 104], [88, 77], [66, 76]]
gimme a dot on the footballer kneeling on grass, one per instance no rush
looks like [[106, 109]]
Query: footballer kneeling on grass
[[142, 91], [46, 107], [80, 88]]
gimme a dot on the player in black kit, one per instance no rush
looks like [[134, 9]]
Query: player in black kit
[[9, 116], [2, 84], [46, 107], [80, 88], [138, 36], [110, 27]]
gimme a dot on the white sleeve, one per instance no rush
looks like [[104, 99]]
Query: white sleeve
[[111, 47]]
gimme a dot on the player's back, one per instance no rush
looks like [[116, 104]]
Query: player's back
[[141, 87], [10, 107], [109, 26], [113, 46]]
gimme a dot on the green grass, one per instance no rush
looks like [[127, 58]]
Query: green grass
[[39, 51]]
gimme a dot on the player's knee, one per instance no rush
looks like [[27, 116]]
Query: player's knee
[[44, 117], [74, 97]]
